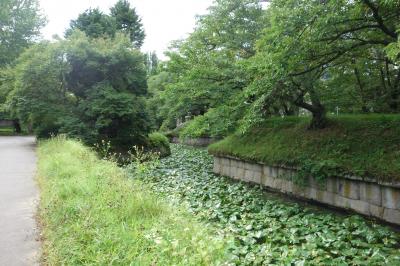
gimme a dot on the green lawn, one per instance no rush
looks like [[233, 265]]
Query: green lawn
[[363, 145], [91, 214]]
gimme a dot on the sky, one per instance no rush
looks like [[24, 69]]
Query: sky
[[163, 20]]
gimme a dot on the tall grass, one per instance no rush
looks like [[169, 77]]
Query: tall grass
[[92, 215]]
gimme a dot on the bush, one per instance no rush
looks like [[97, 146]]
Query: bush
[[159, 143]]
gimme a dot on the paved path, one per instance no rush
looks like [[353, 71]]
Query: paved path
[[18, 198]]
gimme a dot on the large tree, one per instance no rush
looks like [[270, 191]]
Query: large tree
[[128, 21], [207, 67], [20, 24], [309, 44], [122, 18], [87, 88], [94, 23]]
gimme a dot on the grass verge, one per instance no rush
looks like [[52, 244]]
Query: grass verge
[[363, 145], [92, 215]]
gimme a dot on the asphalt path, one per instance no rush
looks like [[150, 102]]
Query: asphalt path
[[19, 245]]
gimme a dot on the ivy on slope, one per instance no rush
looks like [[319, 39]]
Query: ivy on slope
[[269, 231]]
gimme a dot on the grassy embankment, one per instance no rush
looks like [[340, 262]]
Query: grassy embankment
[[363, 145], [92, 215]]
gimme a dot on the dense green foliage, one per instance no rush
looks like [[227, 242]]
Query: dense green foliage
[[92, 215], [251, 61], [362, 145], [88, 88], [20, 22], [268, 231], [159, 143], [122, 18], [205, 70]]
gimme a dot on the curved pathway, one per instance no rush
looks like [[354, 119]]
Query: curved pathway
[[18, 198]]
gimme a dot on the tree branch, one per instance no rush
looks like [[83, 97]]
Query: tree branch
[[379, 20]]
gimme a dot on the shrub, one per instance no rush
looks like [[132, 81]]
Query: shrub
[[159, 143]]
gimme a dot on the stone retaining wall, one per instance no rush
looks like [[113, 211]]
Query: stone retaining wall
[[6, 123], [198, 142], [366, 197]]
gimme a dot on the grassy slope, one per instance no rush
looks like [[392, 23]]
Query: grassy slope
[[365, 145], [92, 215]]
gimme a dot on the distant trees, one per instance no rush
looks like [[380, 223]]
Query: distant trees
[[255, 60], [122, 18]]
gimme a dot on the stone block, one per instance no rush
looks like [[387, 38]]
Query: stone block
[[285, 173], [301, 191], [248, 166], [311, 193], [277, 184], [232, 171], [376, 211], [341, 202], [248, 175], [332, 184], [225, 161], [217, 160], [391, 215], [234, 163], [257, 177], [371, 193], [287, 186], [266, 171], [391, 197], [349, 189], [217, 167], [240, 164], [239, 174], [312, 182], [326, 197], [359, 206], [256, 167], [274, 172], [226, 170], [268, 181]]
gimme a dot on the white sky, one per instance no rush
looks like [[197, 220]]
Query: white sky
[[163, 20]]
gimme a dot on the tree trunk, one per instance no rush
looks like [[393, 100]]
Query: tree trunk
[[395, 94], [17, 126], [319, 119], [318, 111], [364, 108]]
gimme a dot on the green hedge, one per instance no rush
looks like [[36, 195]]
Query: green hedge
[[362, 145]]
